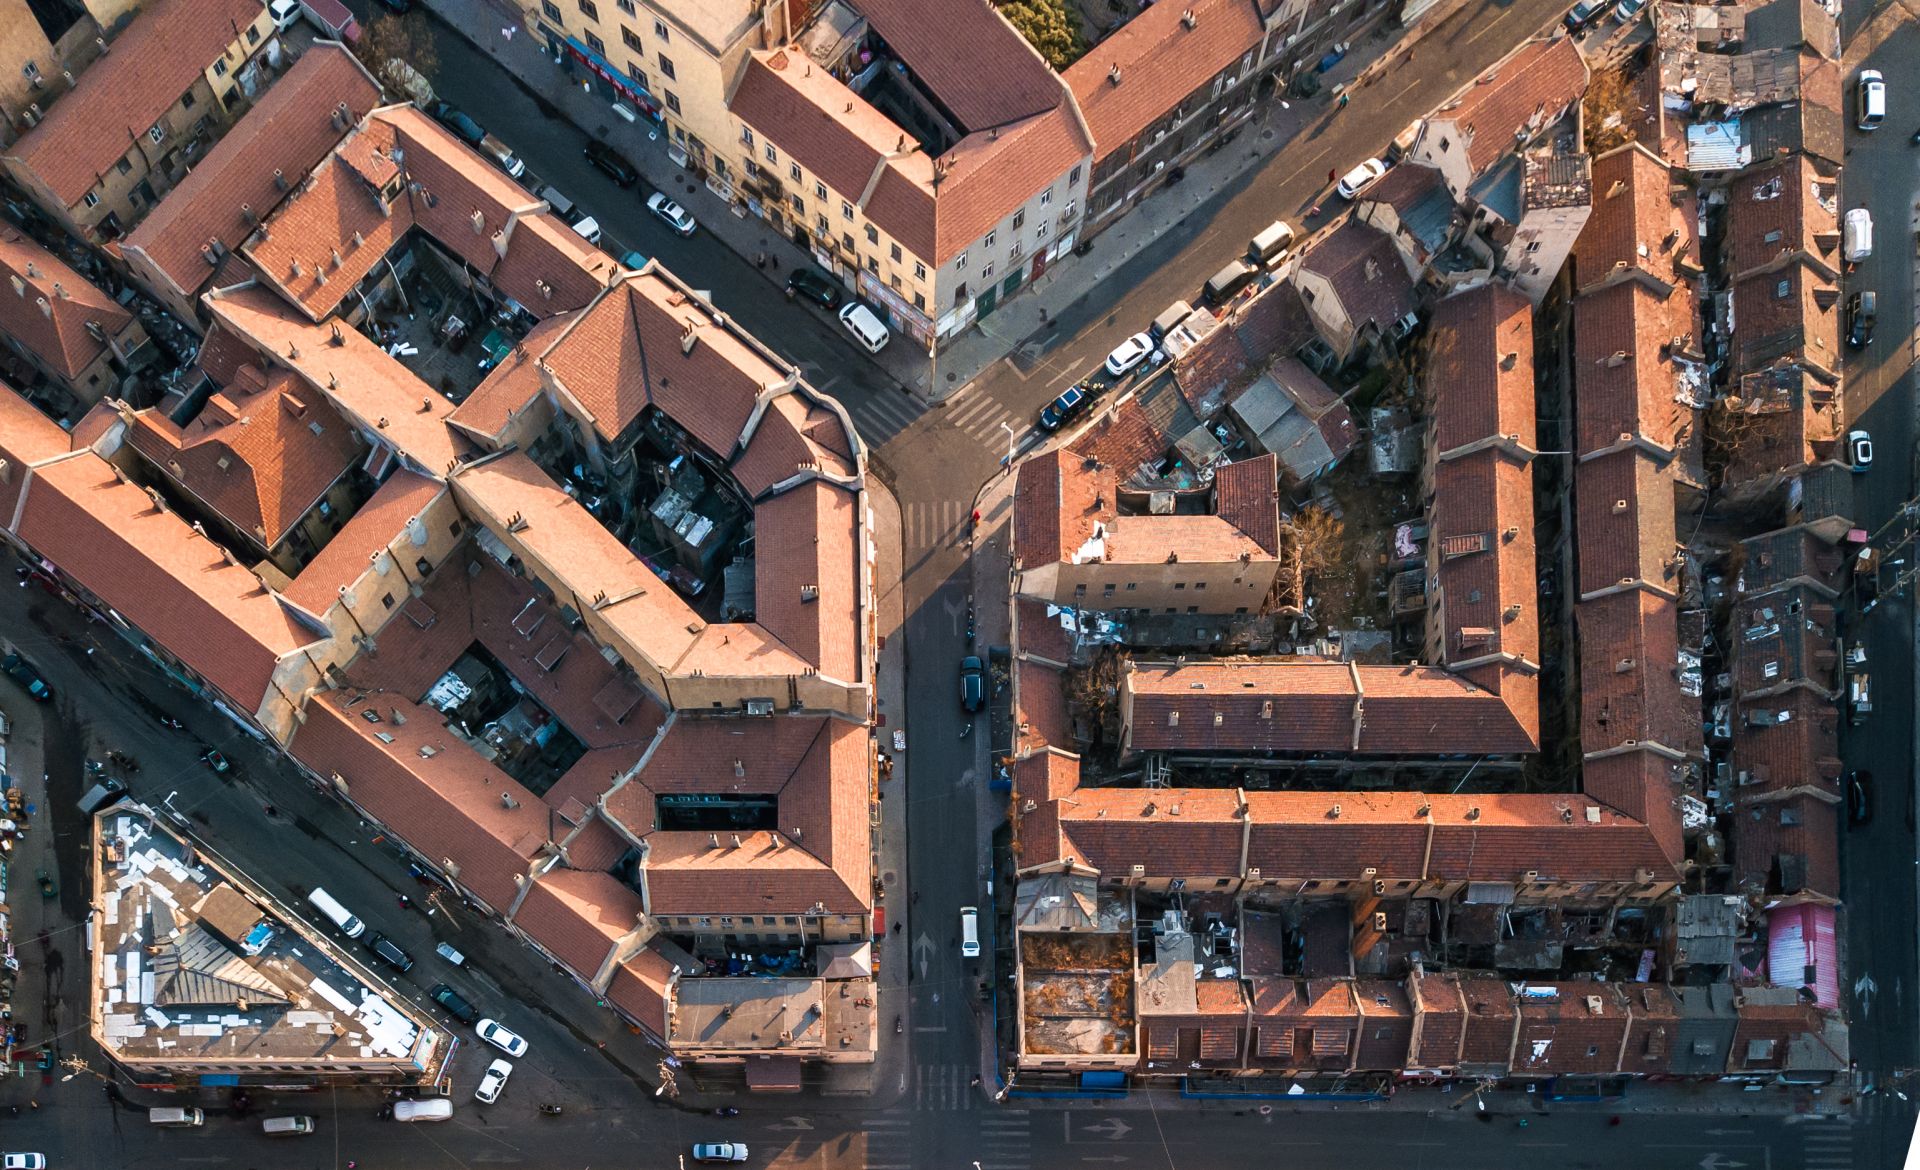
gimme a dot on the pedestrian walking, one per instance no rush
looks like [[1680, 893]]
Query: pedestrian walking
[[773, 261], [1332, 175], [1343, 101]]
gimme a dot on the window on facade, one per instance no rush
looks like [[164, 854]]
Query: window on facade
[[873, 237], [1040, 232], [819, 190], [631, 39], [157, 134], [1106, 591], [919, 270], [31, 71], [220, 67], [253, 36], [660, 30], [638, 74], [873, 266], [821, 225], [666, 66], [1046, 197], [1019, 219], [772, 156], [793, 171], [186, 100], [91, 199], [588, 10], [846, 241], [799, 205], [1199, 584], [625, 6], [1016, 250], [895, 281], [1066, 215], [1073, 176], [846, 210], [960, 262], [673, 103], [986, 271], [893, 252], [991, 237], [595, 43], [124, 166], [552, 11], [1132, 585], [920, 302], [746, 136]]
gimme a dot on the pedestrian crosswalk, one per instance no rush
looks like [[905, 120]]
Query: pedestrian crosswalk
[[1827, 1144], [986, 420], [880, 416], [996, 1137], [934, 523]]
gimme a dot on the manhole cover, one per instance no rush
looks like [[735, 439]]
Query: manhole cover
[[886, 878]]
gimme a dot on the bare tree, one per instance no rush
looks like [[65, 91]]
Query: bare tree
[[400, 53]]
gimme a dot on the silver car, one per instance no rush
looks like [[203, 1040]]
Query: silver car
[[494, 1080]]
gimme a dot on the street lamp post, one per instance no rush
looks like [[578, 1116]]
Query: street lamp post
[[1012, 439]]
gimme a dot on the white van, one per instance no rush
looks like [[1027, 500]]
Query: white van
[[285, 13], [969, 932], [865, 327], [286, 1126], [431, 1109], [336, 913], [176, 1118], [589, 229], [1871, 100], [1272, 242], [1856, 241]]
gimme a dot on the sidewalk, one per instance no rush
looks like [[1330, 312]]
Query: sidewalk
[[484, 23]]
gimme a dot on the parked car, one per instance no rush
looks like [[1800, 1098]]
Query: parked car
[[492, 1081], [634, 260], [1862, 311], [1055, 414], [672, 213], [23, 672], [816, 287], [1859, 797], [865, 325], [457, 1005], [1870, 101], [1628, 11], [973, 687], [719, 1152], [1859, 450], [389, 952], [611, 163], [502, 1037], [1129, 354], [1360, 178], [1860, 696], [1583, 14], [464, 128], [25, 1162]]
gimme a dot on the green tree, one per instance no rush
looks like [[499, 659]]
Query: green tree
[[1051, 26], [399, 52]]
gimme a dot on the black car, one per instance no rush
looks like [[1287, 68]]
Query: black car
[[816, 287], [612, 163], [22, 672], [464, 128], [457, 1005], [389, 953], [973, 686], [1862, 308], [1859, 797], [1056, 413]]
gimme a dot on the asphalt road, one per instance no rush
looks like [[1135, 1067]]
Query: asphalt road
[[1879, 857]]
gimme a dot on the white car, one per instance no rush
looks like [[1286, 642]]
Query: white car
[[1859, 450], [502, 1037], [494, 1081], [719, 1152], [1360, 178], [675, 215], [25, 1162], [1129, 354]]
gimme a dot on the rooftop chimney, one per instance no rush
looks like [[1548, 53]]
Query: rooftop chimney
[[1113, 74]]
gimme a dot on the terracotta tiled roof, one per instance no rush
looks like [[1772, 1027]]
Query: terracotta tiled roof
[[27, 437], [1366, 272], [1123, 438], [550, 268], [1112, 829], [1787, 846], [46, 306], [813, 117], [1636, 223], [261, 453], [1161, 58], [797, 434], [510, 386], [158, 58], [1625, 379], [640, 988], [1781, 210], [1037, 509], [1787, 556], [995, 80], [1630, 690], [1646, 786], [1491, 1019], [377, 393], [379, 522], [1043, 717], [1482, 536], [991, 172], [1624, 516], [1067, 510], [1442, 1011], [1246, 495], [1522, 93], [175, 586], [579, 917], [445, 805], [807, 580], [1786, 742], [1791, 313], [625, 352], [1040, 633], [1480, 375], [1578, 1031], [268, 153]]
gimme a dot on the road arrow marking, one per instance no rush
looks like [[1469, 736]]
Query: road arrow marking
[[1112, 1127], [1716, 1162], [794, 1124], [923, 951], [1864, 989]]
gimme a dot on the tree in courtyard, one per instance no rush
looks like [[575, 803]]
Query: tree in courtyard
[[1052, 27], [397, 50]]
